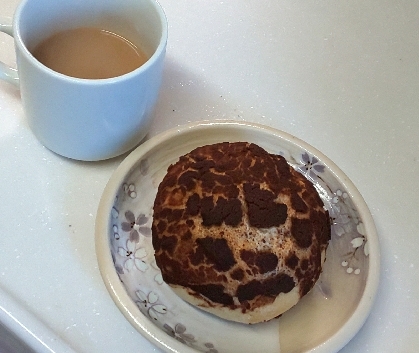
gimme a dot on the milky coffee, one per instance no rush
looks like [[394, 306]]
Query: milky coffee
[[90, 53]]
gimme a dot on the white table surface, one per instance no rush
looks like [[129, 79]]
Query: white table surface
[[343, 76]]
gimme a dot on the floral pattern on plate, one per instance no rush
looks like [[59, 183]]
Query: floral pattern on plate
[[132, 253]]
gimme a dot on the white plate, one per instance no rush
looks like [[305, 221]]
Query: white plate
[[323, 321]]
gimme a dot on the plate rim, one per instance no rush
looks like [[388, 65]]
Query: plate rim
[[151, 331]]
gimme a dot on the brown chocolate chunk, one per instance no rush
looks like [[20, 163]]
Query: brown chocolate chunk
[[301, 231], [168, 243], [228, 211], [291, 261], [237, 274], [214, 292], [264, 212], [193, 205], [217, 252], [266, 261], [281, 283], [188, 179], [298, 204]]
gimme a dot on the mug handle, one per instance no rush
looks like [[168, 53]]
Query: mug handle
[[7, 73]]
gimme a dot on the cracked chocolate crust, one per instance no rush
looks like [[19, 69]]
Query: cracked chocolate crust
[[238, 232]]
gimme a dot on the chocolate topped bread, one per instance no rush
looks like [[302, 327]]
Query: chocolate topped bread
[[238, 232]]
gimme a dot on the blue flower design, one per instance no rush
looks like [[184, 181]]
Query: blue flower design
[[135, 226], [310, 166]]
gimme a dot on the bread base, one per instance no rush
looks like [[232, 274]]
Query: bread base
[[282, 303]]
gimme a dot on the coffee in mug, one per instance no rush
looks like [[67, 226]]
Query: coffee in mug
[[90, 53], [84, 118]]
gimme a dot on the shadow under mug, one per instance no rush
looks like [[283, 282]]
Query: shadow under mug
[[87, 119]]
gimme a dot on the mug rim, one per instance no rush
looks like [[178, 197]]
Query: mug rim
[[88, 81]]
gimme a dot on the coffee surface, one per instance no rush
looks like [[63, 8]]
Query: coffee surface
[[90, 53]]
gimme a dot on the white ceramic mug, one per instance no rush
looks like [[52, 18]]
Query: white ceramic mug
[[87, 119]]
